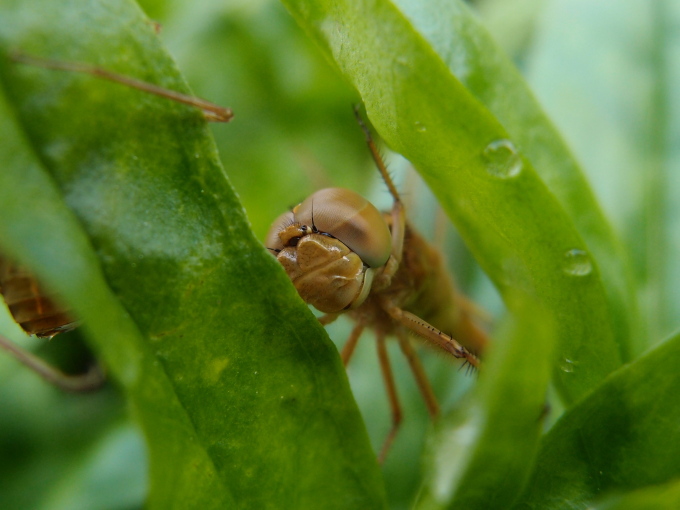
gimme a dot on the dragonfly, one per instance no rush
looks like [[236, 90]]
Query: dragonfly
[[344, 256]]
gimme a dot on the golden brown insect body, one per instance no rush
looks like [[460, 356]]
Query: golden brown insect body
[[343, 255], [34, 309]]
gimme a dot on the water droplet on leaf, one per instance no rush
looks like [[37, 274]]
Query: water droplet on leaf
[[577, 263], [502, 159], [567, 365]]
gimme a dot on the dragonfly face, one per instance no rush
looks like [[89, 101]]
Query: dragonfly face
[[331, 246]]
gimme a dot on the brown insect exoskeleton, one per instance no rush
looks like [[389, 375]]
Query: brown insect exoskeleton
[[38, 312], [31, 306], [344, 256]]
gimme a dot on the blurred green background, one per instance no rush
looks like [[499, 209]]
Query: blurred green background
[[293, 133]]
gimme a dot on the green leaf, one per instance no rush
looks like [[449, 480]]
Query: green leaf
[[613, 92], [472, 56], [513, 223], [621, 437], [116, 200], [482, 454]]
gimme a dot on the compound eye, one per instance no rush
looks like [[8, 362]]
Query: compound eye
[[352, 219], [273, 240]]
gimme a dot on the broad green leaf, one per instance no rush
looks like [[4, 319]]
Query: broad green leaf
[[510, 219], [43, 233], [115, 199], [613, 92], [621, 437], [482, 454]]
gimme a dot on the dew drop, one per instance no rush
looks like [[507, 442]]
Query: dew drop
[[502, 159], [420, 127], [577, 263], [567, 365]]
